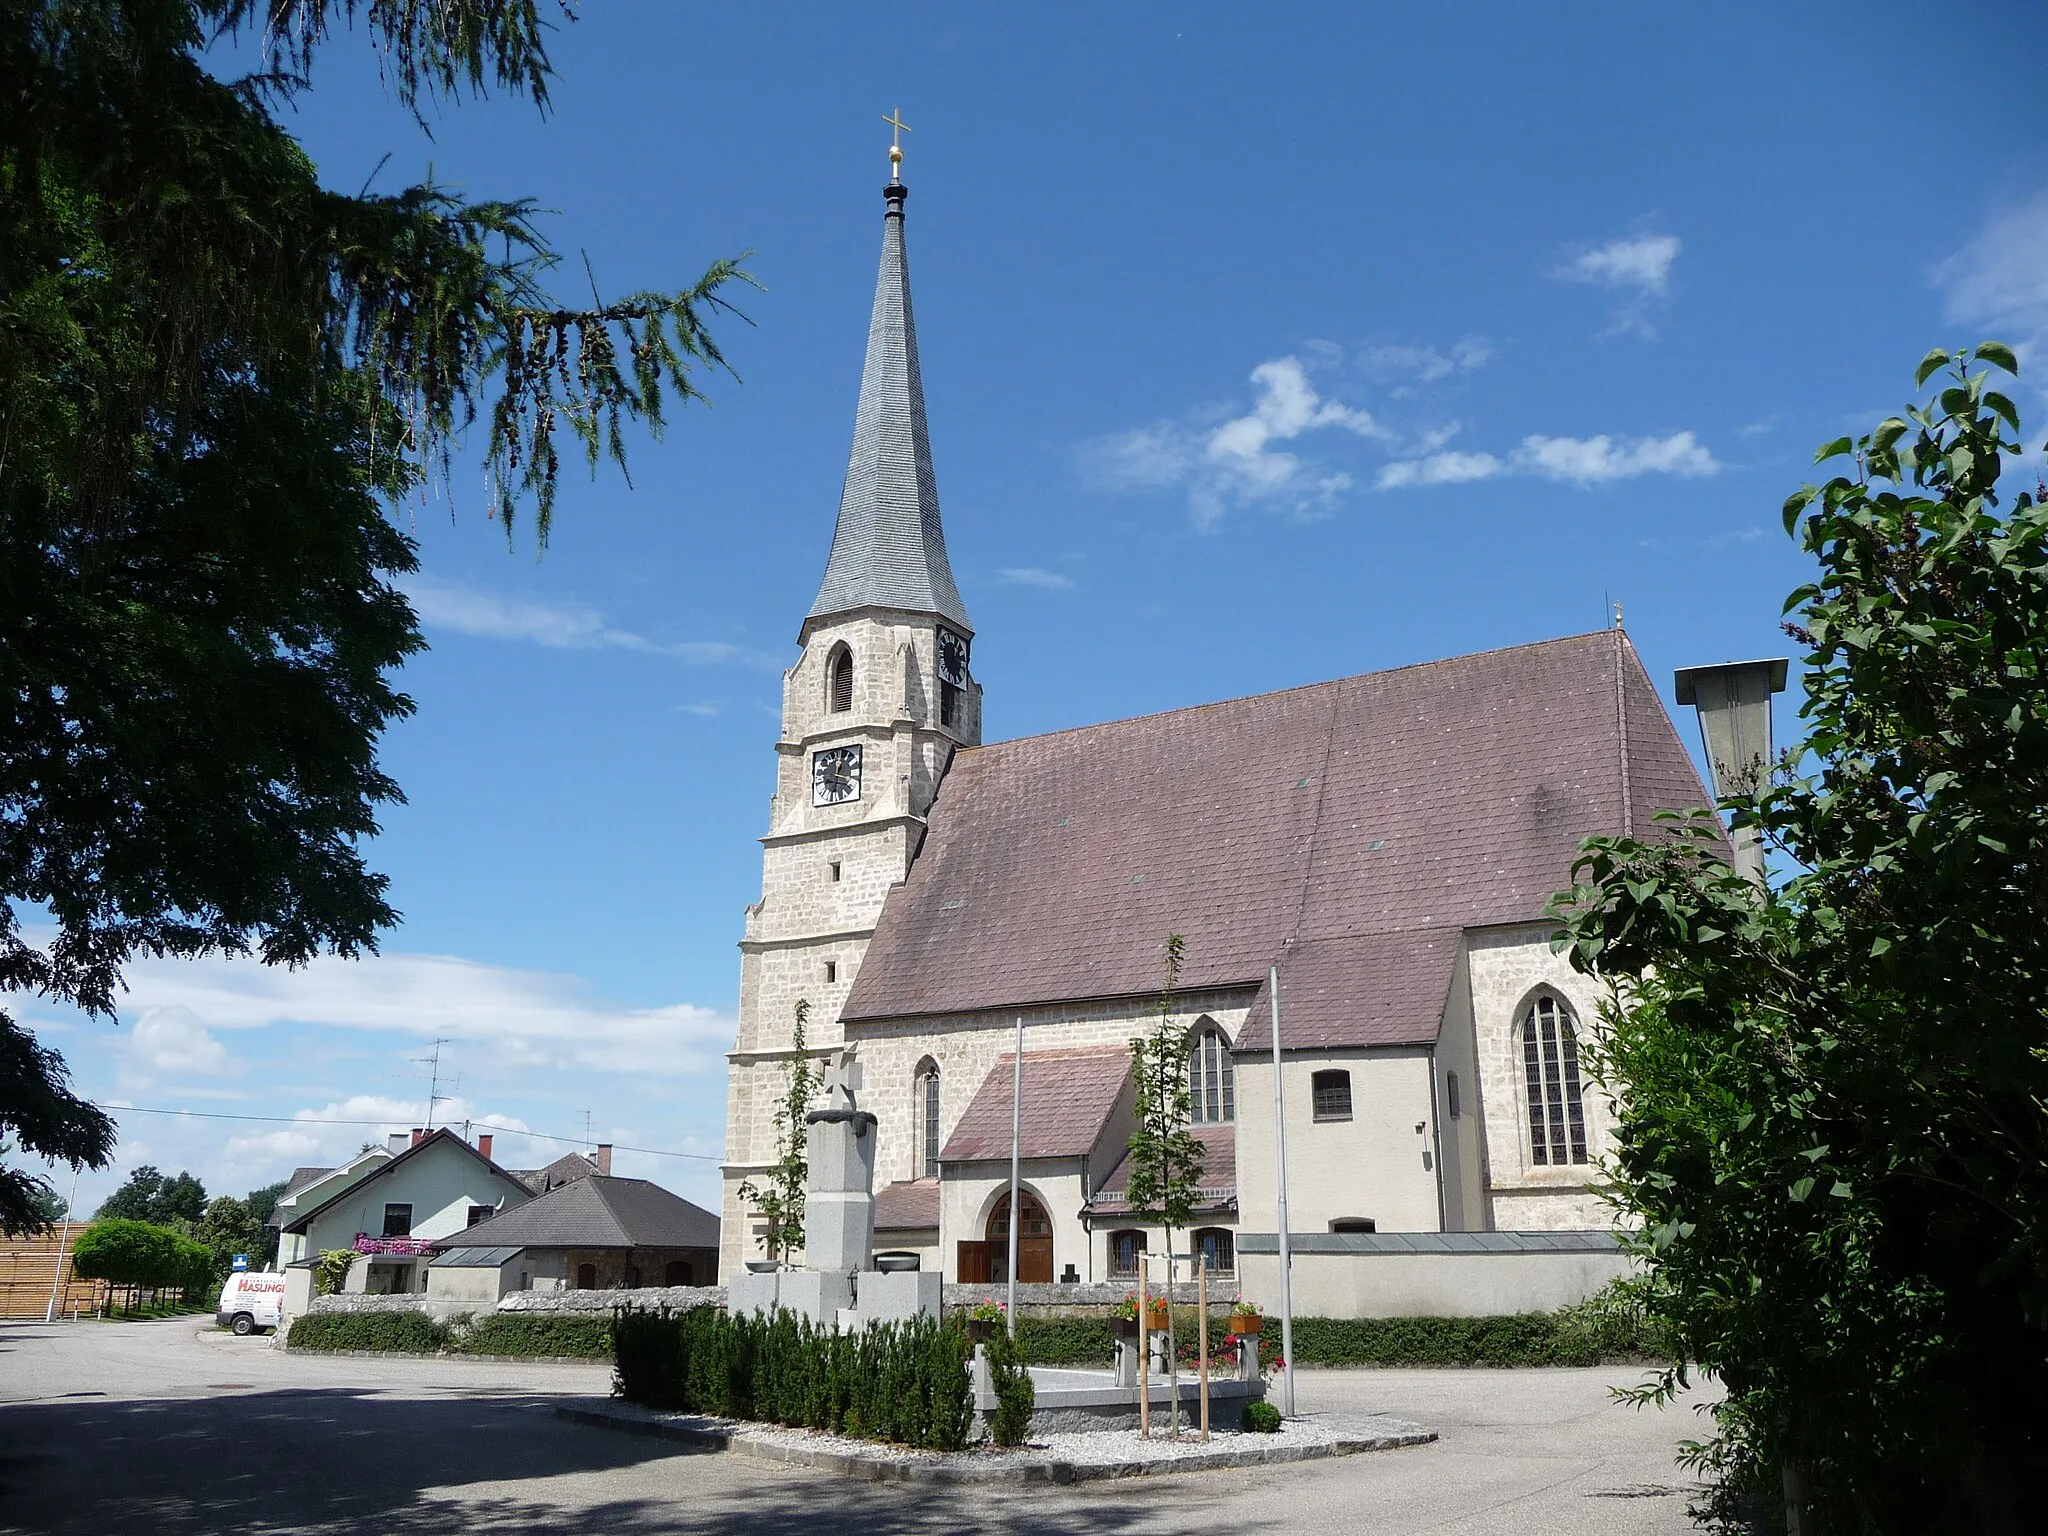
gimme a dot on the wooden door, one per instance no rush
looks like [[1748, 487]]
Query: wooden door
[[973, 1263]]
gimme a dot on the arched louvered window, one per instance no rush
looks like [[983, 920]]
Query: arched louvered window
[[839, 680], [1550, 1069], [1212, 1077], [928, 1118]]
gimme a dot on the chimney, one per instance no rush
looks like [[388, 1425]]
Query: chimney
[[418, 1135], [396, 1143], [604, 1158], [483, 1144], [1734, 705]]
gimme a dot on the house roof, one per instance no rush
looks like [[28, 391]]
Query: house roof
[[437, 1137], [1067, 1098], [300, 1178], [908, 1203], [1445, 795], [566, 1169], [1373, 989], [888, 549], [1218, 1187], [597, 1212]]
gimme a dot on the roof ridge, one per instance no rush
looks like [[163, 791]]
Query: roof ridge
[[1274, 693]]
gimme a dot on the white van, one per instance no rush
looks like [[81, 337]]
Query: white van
[[250, 1301]]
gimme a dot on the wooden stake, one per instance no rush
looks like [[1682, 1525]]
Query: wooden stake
[[1202, 1325], [1144, 1356]]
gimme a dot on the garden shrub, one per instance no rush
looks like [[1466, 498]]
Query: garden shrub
[[1016, 1397], [535, 1334], [905, 1383], [1261, 1417], [412, 1333]]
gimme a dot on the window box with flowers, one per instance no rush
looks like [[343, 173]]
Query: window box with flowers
[[1245, 1319], [986, 1319]]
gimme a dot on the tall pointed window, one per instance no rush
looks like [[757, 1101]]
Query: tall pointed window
[[1550, 1068], [928, 1119], [839, 680], [1212, 1077]]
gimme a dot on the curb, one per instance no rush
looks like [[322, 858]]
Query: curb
[[878, 1469]]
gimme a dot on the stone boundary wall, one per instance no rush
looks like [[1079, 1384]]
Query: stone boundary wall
[[1082, 1300], [677, 1298], [405, 1301]]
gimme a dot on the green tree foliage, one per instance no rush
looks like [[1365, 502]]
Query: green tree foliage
[[229, 1227], [779, 1196], [150, 1195], [217, 378], [262, 1205], [1166, 1159], [1016, 1396], [330, 1270], [142, 1257], [1834, 1092]]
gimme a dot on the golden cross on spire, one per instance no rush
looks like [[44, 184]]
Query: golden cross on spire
[[898, 127]]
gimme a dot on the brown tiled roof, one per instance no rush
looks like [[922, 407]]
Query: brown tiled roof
[[1444, 795], [908, 1203], [1374, 989], [1219, 1172], [597, 1211], [1068, 1096]]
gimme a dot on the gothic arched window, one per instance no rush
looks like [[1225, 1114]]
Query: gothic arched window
[[1212, 1077], [839, 680], [928, 1118], [1550, 1068]]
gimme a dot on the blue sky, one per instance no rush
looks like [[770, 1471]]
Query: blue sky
[[1260, 347]]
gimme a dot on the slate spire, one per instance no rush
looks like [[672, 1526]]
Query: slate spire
[[889, 550]]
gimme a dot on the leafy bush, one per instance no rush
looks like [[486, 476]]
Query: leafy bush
[[1261, 1417], [1016, 1397], [539, 1334], [1084, 1341], [904, 1383], [412, 1333], [140, 1255], [330, 1270]]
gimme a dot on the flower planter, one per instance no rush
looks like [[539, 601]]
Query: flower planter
[[981, 1329], [1245, 1324], [1159, 1320], [1124, 1327]]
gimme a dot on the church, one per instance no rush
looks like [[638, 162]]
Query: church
[[1383, 844]]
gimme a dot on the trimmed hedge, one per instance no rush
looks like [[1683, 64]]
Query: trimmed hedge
[[904, 1383], [412, 1333], [581, 1335]]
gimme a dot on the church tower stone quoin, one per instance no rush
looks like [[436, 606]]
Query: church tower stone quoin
[[872, 713]]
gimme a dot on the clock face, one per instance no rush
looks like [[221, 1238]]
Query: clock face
[[835, 776], [952, 658]]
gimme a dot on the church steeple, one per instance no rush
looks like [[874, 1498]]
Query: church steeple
[[889, 549]]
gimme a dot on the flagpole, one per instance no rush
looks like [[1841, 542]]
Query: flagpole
[[1280, 1161], [1016, 1158]]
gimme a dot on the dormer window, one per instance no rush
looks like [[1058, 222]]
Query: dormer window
[[839, 680]]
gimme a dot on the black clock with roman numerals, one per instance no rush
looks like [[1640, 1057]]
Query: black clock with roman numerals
[[952, 658], [835, 776]]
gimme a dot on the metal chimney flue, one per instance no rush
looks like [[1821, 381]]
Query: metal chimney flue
[[1734, 705]]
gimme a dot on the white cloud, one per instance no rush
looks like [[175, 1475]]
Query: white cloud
[[1999, 281], [1636, 266], [1582, 461], [1238, 462], [1735, 536], [706, 710], [1638, 262], [170, 1041], [1032, 576], [490, 616], [501, 1017], [1424, 364]]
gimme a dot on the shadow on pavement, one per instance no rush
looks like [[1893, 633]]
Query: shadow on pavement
[[341, 1460]]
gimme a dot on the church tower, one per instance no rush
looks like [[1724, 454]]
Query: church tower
[[872, 712]]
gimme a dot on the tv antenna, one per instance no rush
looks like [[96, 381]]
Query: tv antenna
[[433, 1064]]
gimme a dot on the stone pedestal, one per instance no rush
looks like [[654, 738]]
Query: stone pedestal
[[896, 1298], [839, 1198], [1127, 1362]]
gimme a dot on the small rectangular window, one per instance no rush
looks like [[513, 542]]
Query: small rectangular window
[[1451, 1092], [479, 1213], [833, 870], [949, 704], [831, 970], [1331, 1092], [398, 1220]]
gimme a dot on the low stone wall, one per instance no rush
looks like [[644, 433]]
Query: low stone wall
[[1097, 1300], [677, 1298], [1432, 1274], [356, 1301]]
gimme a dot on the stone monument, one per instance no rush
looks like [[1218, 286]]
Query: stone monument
[[838, 1285]]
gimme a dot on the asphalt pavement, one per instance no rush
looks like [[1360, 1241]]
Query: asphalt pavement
[[172, 1427]]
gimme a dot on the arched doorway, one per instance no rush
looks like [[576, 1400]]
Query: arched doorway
[[1034, 1240]]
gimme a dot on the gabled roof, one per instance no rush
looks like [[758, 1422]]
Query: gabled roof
[[889, 550], [1068, 1097], [1373, 989], [908, 1203], [566, 1169], [1440, 796], [438, 1137], [1219, 1173], [300, 1178], [596, 1212]]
